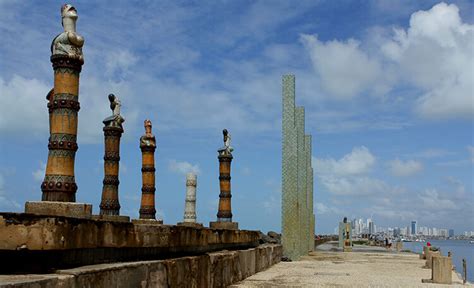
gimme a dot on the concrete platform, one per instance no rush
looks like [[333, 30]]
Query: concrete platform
[[328, 268], [114, 218], [67, 209], [35, 242], [191, 224], [147, 221], [224, 225]]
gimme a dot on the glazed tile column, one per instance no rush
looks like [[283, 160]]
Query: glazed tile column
[[190, 202], [63, 105], [224, 215], [148, 146], [112, 133], [190, 205]]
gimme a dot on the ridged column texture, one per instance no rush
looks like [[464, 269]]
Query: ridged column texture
[[59, 183], [190, 205], [147, 207], [225, 209], [110, 201]]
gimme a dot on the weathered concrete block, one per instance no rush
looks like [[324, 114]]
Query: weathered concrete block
[[247, 262], [66, 209], [191, 224], [147, 221], [224, 225], [441, 270], [217, 269], [134, 274], [429, 255], [114, 218], [277, 253]]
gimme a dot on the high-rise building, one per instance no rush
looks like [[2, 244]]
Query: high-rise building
[[451, 232], [413, 228]]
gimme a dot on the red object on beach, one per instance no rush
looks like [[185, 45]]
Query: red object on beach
[[428, 244]]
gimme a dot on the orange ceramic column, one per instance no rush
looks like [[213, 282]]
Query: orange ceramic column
[[148, 146], [112, 132], [224, 214], [225, 208], [59, 183]]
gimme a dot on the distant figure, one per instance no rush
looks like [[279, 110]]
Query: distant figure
[[428, 244], [386, 242]]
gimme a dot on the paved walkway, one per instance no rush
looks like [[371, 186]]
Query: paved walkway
[[366, 267]]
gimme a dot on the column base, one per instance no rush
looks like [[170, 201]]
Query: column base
[[112, 218], [191, 224], [53, 208], [224, 225], [147, 221]]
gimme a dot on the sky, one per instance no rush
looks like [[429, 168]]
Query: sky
[[387, 87]]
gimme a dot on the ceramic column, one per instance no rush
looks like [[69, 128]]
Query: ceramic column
[[148, 146], [112, 133], [59, 183], [224, 214], [190, 206]]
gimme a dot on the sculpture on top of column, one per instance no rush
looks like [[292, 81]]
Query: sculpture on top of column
[[148, 146], [66, 56], [224, 215], [112, 132], [68, 43]]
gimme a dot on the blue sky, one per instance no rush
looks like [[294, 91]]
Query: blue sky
[[387, 86]]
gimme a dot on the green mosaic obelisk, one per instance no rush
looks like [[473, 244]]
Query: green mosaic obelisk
[[297, 178]]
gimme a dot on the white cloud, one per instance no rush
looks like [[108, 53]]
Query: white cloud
[[405, 168], [436, 55], [118, 62], [433, 153], [359, 161], [321, 208], [358, 186], [29, 97], [431, 200], [344, 69], [38, 174], [183, 167]]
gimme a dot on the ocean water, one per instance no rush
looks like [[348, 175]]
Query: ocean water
[[459, 249]]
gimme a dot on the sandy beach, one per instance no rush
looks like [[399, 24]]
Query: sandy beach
[[365, 267]]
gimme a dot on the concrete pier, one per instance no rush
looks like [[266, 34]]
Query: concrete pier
[[365, 267]]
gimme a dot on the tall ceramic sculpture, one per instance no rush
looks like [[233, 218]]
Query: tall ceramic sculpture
[[224, 215], [112, 132], [66, 56], [148, 146], [190, 204]]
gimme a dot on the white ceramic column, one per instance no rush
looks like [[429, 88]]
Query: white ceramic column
[[190, 206]]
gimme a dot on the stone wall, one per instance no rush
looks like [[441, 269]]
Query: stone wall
[[32, 243], [217, 269]]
